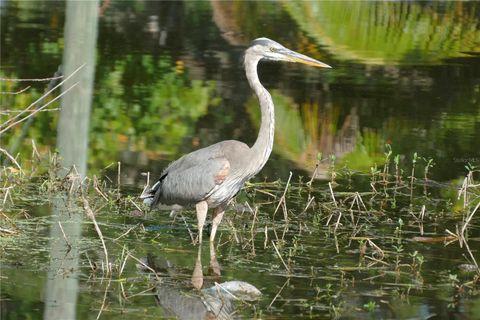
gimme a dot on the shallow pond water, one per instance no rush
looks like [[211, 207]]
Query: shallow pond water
[[365, 255], [169, 79]]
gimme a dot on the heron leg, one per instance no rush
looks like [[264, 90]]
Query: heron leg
[[217, 218], [202, 208]]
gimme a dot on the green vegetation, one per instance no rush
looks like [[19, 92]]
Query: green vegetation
[[155, 115], [390, 32]]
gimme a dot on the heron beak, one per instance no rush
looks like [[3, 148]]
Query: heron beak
[[293, 56]]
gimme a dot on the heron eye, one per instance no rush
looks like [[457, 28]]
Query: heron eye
[[273, 49]]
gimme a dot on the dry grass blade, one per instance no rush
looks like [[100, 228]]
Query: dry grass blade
[[97, 189], [119, 174], [308, 205], [16, 92], [8, 231], [135, 205], [376, 248], [192, 237], [463, 191], [280, 256], [266, 237], [35, 153], [143, 264], [253, 220], [147, 184], [31, 80], [91, 215], [338, 222], [38, 100], [141, 293], [331, 193], [34, 112], [314, 174], [278, 293], [282, 201], [65, 237], [252, 229], [9, 111], [9, 156], [104, 299], [468, 219], [472, 257], [126, 232]]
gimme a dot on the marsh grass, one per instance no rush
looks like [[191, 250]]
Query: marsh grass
[[318, 246]]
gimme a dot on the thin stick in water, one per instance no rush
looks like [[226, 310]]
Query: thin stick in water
[[91, 215], [118, 178], [11, 159], [104, 299], [283, 200], [278, 293], [331, 193], [280, 256], [65, 237]]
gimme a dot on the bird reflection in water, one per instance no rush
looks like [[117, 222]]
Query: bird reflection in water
[[209, 298]]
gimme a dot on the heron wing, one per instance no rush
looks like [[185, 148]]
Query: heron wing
[[193, 177]]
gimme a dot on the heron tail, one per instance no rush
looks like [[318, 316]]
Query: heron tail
[[148, 196]]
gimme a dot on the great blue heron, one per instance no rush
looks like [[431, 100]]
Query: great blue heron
[[212, 176]]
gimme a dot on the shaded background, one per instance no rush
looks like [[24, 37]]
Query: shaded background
[[169, 79]]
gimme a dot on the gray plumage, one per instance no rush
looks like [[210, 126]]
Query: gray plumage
[[197, 176], [212, 176]]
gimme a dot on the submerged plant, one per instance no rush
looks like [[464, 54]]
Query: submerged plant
[[370, 306]]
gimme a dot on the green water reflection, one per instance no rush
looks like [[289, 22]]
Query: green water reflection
[[169, 79], [391, 32]]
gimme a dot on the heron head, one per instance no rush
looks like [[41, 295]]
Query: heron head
[[268, 49]]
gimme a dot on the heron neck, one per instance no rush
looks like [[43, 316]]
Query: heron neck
[[262, 147]]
